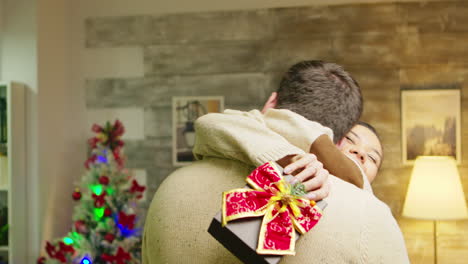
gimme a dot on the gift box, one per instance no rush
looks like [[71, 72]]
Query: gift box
[[241, 235]]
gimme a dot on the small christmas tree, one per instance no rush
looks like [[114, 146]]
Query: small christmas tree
[[106, 227]]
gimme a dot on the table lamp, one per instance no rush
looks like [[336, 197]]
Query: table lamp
[[435, 192]]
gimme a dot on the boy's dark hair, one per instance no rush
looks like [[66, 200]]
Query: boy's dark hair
[[322, 92]]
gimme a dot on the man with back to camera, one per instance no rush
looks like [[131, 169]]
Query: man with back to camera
[[356, 227]]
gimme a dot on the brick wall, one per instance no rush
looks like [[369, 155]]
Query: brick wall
[[242, 54]]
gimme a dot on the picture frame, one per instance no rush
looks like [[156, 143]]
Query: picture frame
[[185, 110], [430, 123]]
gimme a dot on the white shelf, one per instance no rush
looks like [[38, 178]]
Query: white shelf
[[16, 186]]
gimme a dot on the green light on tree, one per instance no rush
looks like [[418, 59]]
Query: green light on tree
[[68, 241], [110, 191], [98, 213], [96, 189]]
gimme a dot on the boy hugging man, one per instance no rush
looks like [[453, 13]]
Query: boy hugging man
[[356, 227]]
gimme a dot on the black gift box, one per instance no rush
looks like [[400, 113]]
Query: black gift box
[[241, 237]]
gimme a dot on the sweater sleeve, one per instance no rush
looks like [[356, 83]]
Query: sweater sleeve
[[381, 238], [295, 128], [248, 137]]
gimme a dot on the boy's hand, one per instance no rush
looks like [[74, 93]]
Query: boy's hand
[[308, 170]]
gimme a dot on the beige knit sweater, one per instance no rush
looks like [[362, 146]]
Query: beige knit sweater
[[356, 226]]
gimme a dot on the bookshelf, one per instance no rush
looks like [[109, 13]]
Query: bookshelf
[[12, 173]]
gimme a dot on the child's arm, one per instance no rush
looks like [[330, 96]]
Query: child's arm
[[254, 138], [242, 136], [316, 139], [336, 162]]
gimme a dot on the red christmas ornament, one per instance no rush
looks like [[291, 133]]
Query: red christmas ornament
[[127, 221], [76, 194], [41, 260], [108, 258], [120, 143], [61, 252], [117, 157], [96, 128], [80, 227], [120, 258], [90, 161], [104, 180], [109, 237], [107, 212], [66, 248], [139, 189], [118, 129], [50, 249], [93, 142], [99, 200]]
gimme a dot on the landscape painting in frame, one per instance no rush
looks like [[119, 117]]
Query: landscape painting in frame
[[430, 123], [185, 110]]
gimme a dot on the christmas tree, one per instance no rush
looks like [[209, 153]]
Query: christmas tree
[[106, 224]]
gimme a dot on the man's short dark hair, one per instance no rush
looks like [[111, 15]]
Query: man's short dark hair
[[322, 92]]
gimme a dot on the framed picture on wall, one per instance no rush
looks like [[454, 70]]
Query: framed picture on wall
[[430, 123], [185, 110]]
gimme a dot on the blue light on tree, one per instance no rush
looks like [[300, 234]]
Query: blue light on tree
[[86, 260], [101, 159]]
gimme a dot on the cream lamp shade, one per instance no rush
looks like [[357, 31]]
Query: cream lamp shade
[[435, 191]]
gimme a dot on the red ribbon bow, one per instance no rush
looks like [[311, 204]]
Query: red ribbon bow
[[282, 211], [109, 135]]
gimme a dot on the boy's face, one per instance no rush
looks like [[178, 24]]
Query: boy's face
[[362, 145]]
